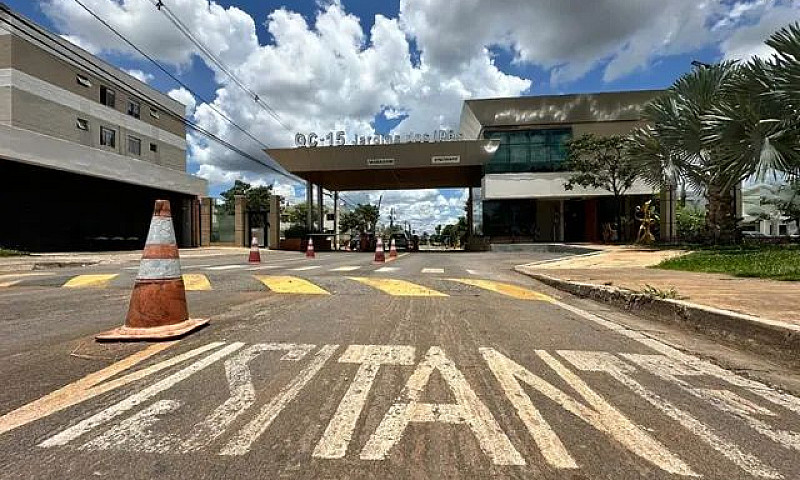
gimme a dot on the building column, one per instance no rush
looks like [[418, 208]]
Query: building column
[[470, 214], [321, 207], [196, 222], [274, 221], [336, 220], [205, 221], [560, 237], [240, 227], [186, 223], [667, 223], [310, 206]]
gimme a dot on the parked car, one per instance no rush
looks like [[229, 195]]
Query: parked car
[[400, 241]]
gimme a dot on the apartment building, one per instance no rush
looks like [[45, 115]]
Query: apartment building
[[85, 148]]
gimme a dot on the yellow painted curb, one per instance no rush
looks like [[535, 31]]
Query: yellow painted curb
[[505, 289], [90, 281], [288, 284]]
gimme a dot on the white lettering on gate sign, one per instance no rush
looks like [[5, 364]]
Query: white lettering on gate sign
[[445, 159], [467, 409], [380, 162]]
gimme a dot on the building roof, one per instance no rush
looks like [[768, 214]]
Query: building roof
[[447, 164], [479, 114]]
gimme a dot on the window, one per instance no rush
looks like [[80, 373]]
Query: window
[[154, 113], [329, 217], [82, 124], [108, 137], [534, 150], [134, 108], [134, 145], [154, 148], [107, 96], [83, 81]]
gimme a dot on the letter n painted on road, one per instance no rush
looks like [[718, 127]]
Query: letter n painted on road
[[598, 413], [467, 409]]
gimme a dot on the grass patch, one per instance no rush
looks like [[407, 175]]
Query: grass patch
[[10, 253], [774, 262]]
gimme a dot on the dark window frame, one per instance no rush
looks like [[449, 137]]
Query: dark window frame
[[82, 124], [135, 141], [108, 96], [153, 147], [83, 80], [134, 108], [112, 143]]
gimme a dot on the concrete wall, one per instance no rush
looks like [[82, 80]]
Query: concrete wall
[[504, 186]]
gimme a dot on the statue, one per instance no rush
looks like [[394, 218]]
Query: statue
[[647, 218]]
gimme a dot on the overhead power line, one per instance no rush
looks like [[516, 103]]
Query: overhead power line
[[187, 122], [176, 21]]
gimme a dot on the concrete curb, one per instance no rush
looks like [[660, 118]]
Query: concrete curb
[[745, 330]]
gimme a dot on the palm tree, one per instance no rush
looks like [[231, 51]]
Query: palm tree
[[674, 145]]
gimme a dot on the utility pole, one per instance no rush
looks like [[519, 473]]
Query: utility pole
[[391, 220]]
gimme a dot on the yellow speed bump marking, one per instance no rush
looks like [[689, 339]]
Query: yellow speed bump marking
[[288, 284], [90, 281], [196, 281], [505, 289], [399, 288]]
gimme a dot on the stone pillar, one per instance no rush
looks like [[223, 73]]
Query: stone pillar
[[310, 205], [196, 222], [240, 227], [667, 223], [336, 220], [274, 236], [560, 237], [205, 221]]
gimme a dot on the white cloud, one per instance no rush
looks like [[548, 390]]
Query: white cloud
[[748, 40], [323, 72], [143, 77], [84, 44], [185, 97]]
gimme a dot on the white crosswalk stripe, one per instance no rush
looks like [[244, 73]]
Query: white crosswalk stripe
[[387, 269], [227, 267], [307, 267], [433, 270], [348, 268], [263, 267], [473, 272]]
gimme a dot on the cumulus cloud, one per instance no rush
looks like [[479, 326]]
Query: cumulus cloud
[[323, 71], [143, 77]]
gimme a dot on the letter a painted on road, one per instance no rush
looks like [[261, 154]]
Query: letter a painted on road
[[467, 409]]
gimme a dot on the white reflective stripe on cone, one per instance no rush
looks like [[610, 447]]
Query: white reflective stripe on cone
[[161, 232], [159, 268]]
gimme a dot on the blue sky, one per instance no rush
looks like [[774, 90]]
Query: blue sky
[[326, 65]]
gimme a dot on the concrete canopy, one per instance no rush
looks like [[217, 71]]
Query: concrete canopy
[[449, 164]]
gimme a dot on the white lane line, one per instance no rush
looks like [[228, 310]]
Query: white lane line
[[337, 436], [473, 272], [135, 432], [241, 442], [620, 371], [131, 268], [468, 409], [433, 270], [263, 267], [142, 396], [242, 391], [387, 269], [345, 269], [303, 269], [226, 267], [190, 267]]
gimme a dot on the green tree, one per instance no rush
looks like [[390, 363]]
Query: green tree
[[674, 146], [602, 162], [257, 197]]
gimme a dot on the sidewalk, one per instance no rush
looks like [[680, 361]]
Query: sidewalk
[[626, 267], [41, 261]]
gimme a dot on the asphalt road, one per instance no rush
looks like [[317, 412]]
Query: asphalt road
[[436, 365]]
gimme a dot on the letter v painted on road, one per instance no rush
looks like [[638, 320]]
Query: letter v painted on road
[[598, 413], [91, 385]]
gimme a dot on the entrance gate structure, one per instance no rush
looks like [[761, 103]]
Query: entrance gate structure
[[392, 166]]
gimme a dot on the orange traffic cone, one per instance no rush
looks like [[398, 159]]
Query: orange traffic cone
[[310, 249], [380, 256], [158, 308], [392, 250], [255, 253]]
